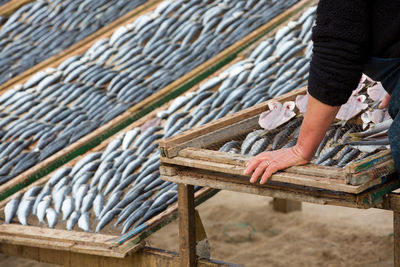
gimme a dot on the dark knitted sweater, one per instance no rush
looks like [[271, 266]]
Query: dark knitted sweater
[[346, 34]]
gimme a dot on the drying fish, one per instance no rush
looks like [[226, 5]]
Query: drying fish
[[52, 217], [301, 103], [376, 92], [11, 208], [277, 115], [352, 108]]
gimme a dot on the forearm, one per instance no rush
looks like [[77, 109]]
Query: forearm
[[317, 120]]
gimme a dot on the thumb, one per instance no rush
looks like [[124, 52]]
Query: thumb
[[385, 101]]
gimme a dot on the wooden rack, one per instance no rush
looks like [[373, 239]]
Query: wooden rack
[[144, 107]]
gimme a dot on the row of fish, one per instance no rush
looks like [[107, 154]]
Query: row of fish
[[56, 107], [120, 186], [40, 29]]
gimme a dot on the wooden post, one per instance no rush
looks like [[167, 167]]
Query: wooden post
[[187, 227], [396, 231], [285, 205]]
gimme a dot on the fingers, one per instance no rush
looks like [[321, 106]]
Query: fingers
[[385, 101], [252, 165], [259, 170], [271, 169]]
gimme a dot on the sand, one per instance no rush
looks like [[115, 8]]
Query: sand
[[316, 236]]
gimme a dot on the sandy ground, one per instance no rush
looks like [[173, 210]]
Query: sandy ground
[[316, 236], [243, 229]]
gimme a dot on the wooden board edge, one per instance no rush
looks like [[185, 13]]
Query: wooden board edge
[[368, 162], [241, 160], [8, 8], [270, 192], [379, 170]]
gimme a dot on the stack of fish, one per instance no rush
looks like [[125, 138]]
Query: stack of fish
[[56, 107], [343, 143], [40, 29], [125, 174]]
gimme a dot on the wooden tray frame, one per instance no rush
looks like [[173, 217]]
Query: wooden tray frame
[[190, 149], [144, 107]]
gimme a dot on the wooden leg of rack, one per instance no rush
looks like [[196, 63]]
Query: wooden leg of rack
[[187, 227]]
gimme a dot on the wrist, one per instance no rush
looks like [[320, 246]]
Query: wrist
[[302, 153]]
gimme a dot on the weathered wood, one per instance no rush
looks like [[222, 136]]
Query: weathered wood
[[380, 165], [282, 176], [144, 257], [202, 244], [8, 8], [292, 194], [396, 234], [206, 135], [187, 227], [241, 160], [285, 205], [369, 162]]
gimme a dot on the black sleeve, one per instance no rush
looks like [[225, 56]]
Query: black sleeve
[[340, 39]]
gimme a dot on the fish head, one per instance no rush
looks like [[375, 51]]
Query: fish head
[[18, 87], [50, 70]]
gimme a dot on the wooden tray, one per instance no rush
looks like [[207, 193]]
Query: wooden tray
[[190, 149], [144, 107]]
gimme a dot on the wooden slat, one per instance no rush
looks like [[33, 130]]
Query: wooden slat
[[8, 8], [396, 237], [282, 176], [271, 191], [56, 234], [144, 257], [187, 228], [241, 160], [77, 48], [378, 170], [369, 198], [207, 133]]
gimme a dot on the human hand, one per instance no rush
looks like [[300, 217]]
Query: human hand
[[267, 163], [385, 101]]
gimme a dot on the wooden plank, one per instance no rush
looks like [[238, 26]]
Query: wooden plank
[[369, 162], [187, 228], [207, 133], [41, 233], [285, 205], [271, 191], [8, 8], [113, 126], [241, 160], [144, 257], [396, 234], [384, 168], [80, 46], [282, 176]]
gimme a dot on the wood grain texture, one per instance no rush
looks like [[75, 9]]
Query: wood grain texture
[[187, 225], [8, 8]]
